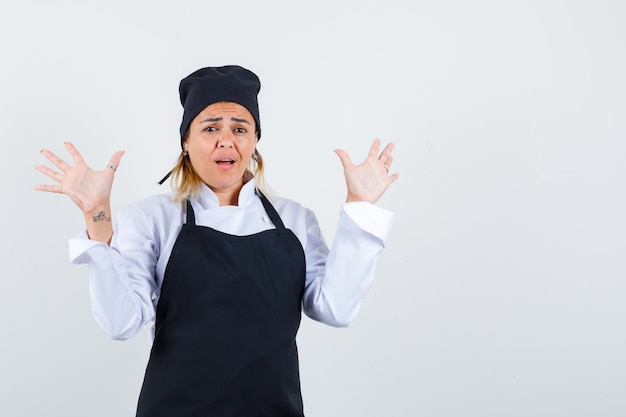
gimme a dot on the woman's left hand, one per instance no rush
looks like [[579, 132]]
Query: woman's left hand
[[369, 180]]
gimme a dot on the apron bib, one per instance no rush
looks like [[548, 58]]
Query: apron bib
[[226, 324]]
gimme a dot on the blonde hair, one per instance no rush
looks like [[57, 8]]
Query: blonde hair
[[187, 184]]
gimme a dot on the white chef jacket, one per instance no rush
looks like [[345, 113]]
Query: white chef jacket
[[125, 278]]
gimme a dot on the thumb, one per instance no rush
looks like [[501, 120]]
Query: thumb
[[343, 156]]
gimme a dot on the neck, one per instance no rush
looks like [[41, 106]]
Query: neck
[[228, 196]]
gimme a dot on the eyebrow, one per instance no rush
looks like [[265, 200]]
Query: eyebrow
[[219, 119]]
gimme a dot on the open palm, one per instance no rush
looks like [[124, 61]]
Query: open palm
[[369, 180], [86, 187]]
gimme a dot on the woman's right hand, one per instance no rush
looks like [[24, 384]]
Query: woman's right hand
[[90, 190], [86, 187]]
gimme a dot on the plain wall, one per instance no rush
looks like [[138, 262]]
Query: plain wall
[[501, 291]]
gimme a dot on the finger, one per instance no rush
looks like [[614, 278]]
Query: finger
[[116, 158], [393, 178], [386, 153], [114, 162], [374, 148], [49, 188], [50, 173], [58, 162], [345, 159], [76, 156], [387, 163], [385, 156]]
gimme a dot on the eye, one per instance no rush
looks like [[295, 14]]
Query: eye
[[210, 129], [241, 130]]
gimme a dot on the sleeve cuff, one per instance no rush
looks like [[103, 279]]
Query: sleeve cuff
[[79, 245], [372, 219]]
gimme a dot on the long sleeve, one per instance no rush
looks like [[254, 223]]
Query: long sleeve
[[337, 280], [125, 278], [122, 276]]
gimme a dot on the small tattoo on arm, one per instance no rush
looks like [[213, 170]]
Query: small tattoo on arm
[[101, 216]]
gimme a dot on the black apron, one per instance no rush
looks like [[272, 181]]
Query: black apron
[[226, 324]]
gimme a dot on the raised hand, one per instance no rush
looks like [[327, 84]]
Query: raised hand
[[86, 187], [369, 180], [90, 190]]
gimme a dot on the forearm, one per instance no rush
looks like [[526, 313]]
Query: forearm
[[98, 223], [120, 307], [121, 274], [120, 289], [337, 284]]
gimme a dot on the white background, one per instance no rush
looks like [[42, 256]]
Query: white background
[[501, 291]]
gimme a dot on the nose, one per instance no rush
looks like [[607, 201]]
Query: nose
[[225, 140]]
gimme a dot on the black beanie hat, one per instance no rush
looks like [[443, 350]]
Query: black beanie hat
[[210, 85]]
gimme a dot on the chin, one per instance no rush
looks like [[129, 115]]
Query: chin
[[226, 184]]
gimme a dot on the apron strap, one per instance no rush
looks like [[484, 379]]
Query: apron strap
[[270, 210], [191, 216]]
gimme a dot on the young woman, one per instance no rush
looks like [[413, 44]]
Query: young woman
[[222, 271]]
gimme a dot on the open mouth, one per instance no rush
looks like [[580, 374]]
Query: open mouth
[[225, 161]]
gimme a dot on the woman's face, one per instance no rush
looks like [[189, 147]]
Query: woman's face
[[221, 141]]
